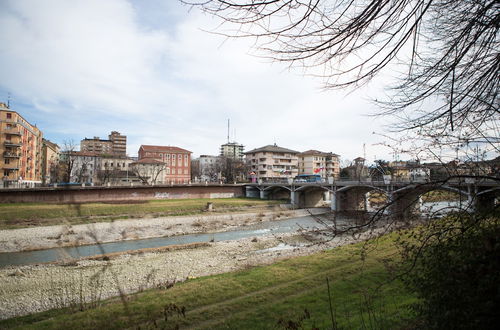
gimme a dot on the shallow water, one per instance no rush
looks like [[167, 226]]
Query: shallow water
[[255, 230]]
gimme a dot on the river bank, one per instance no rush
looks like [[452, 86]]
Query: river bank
[[46, 237], [34, 288]]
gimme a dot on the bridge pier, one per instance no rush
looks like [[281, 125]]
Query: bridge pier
[[333, 200], [263, 194], [294, 199]]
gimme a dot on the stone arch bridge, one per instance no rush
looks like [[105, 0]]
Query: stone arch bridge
[[349, 195]]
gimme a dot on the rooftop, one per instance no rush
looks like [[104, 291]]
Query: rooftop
[[163, 149], [272, 148]]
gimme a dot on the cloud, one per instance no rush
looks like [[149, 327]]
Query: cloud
[[146, 69]]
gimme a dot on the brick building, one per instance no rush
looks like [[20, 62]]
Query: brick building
[[177, 162]]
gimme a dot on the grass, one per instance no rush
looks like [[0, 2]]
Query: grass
[[293, 291], [440, 196], [20, 215]]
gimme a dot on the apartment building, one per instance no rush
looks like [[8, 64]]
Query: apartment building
[[50, 160], [232, 150], [177, 162], [326, 164], [119, 143], [115, 145], [272, 162], [20, 150]]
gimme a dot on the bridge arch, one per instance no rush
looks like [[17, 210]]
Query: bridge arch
[[355, 197]]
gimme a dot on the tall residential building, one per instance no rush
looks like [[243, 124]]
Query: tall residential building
[[119, 143], [232, 150], [115, 145], [272, 162], [20, 149], [326, 164], [177, 162], [50, 159], [96, 145]]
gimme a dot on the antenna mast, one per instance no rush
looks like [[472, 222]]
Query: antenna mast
[[228, 131]]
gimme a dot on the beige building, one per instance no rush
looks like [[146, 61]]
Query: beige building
[[272, 163], [115, 145], [115, 170], [118, 142], [326, 164], [20, 150], [150, 171], [232, 150], [50, 160]]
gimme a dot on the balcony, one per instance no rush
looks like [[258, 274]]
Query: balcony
[[12, 144], [11, 155], [10, 167], [12, 131]]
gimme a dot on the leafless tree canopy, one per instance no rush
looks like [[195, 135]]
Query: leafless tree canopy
[[446, 53]]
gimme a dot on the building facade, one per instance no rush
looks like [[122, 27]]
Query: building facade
[[20, 149], [272, 162], [232, 150], [115, 170], [177, 162], [83, 166], [209, 168], [119, 143], [326, 164], [115, 145], [50, 160]]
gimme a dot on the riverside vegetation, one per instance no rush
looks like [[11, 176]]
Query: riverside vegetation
[[21, 215], [289, 294], [358, 286]]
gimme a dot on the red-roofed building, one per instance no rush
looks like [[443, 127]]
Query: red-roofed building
[[177, 162]]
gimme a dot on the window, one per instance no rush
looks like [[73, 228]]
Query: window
[[9, 115], [168, 170], [7, 161]]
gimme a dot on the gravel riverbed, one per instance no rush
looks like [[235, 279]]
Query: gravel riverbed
[[37, 238], [34, 288]]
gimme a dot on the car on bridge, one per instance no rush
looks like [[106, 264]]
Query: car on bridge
[[308, 178]]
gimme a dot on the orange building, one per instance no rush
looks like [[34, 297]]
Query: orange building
[[177, 162], [20, 150]]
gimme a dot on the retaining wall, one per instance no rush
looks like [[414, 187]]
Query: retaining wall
[[109, 194]]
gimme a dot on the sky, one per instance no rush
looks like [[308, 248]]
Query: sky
[[148, 69]]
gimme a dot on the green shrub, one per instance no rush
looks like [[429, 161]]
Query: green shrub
[[455, 271]]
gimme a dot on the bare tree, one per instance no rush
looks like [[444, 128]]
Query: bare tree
[[148, 170], [67, 161], [447, 53]]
